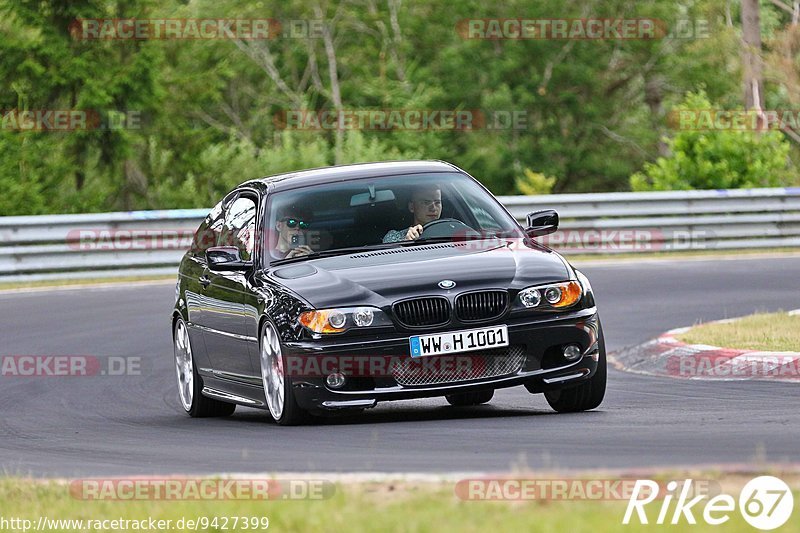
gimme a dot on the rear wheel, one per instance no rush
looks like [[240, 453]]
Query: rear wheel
[[278, 388], [587, 395], [189, 381], [465, 399]]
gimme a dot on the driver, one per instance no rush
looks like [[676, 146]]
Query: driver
[[426, 206]]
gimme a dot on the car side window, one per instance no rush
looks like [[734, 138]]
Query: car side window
[[239, 227], [207, 235]]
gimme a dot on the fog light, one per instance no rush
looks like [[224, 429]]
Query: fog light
[[335, 380], [571, 352], [363, 317]]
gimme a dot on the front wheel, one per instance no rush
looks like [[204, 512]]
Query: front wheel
[[278, 389], [189, 381], [587, 395]]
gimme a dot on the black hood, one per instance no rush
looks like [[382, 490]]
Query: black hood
[[383, 276]]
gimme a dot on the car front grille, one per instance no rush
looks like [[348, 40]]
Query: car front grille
[[431, 311], [455, 368], [483, 305]]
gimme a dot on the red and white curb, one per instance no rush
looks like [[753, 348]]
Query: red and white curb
[[667, 356]]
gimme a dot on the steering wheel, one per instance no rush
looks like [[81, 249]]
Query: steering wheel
[[443, 227]]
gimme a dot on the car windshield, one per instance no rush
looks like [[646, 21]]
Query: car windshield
[[378, 212]]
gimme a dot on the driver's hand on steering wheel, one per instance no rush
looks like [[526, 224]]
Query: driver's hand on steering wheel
[[299, 251], [414, 232]]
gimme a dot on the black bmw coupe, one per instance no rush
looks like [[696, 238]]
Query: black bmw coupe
[[338, 288]]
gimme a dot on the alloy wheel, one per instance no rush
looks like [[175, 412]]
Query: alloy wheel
[[183, 365], [272, 371]]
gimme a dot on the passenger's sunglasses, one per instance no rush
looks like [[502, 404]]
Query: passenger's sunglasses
[[292, 223]]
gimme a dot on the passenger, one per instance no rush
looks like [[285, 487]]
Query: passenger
[[291, 225], [426, 206]]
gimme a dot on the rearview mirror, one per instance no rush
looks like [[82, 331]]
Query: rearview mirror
[[225, 258], [371, 197], [542, 223]]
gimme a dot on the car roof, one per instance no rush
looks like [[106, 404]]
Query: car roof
[[302, 178]]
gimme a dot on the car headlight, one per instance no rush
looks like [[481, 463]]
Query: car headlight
[[557, 295], [364, 317], [530, 297], [342, 319]]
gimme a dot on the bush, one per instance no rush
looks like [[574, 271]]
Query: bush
[[533, 183], [718, 159]]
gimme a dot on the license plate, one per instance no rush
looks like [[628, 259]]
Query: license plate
[[459, 341]]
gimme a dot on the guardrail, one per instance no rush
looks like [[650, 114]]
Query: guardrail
[[152, 242]]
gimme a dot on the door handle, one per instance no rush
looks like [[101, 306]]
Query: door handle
[[204, 281]]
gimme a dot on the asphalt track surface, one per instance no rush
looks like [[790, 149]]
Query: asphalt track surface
[[103, 425]]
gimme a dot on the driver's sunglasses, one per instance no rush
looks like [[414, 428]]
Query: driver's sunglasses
[[292, 223]]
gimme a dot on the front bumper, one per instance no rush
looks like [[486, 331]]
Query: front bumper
[[540, 339]]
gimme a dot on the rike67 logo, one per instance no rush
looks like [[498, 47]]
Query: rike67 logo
[[765, 503]]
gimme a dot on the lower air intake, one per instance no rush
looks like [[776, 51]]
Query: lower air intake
[[455, 368]]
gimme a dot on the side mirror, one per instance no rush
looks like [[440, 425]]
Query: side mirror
[[542, 223], [225, 258]]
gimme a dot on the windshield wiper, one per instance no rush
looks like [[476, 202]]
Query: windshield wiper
[[459, 239], [428, 240]]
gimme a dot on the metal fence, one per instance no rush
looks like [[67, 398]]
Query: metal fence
[[152, 242]]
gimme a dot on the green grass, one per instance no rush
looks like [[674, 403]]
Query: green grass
[[777, 332], [359, 507]]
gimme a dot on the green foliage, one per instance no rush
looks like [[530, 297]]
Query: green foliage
[[532, 183], [718, 159], [227, 164], [591, 112]]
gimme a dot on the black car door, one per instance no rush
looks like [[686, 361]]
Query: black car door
[[194, 274], [226, 336]]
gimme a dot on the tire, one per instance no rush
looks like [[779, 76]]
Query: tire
[[190, 384], [587, 395], [278, 391], [465, 399]]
